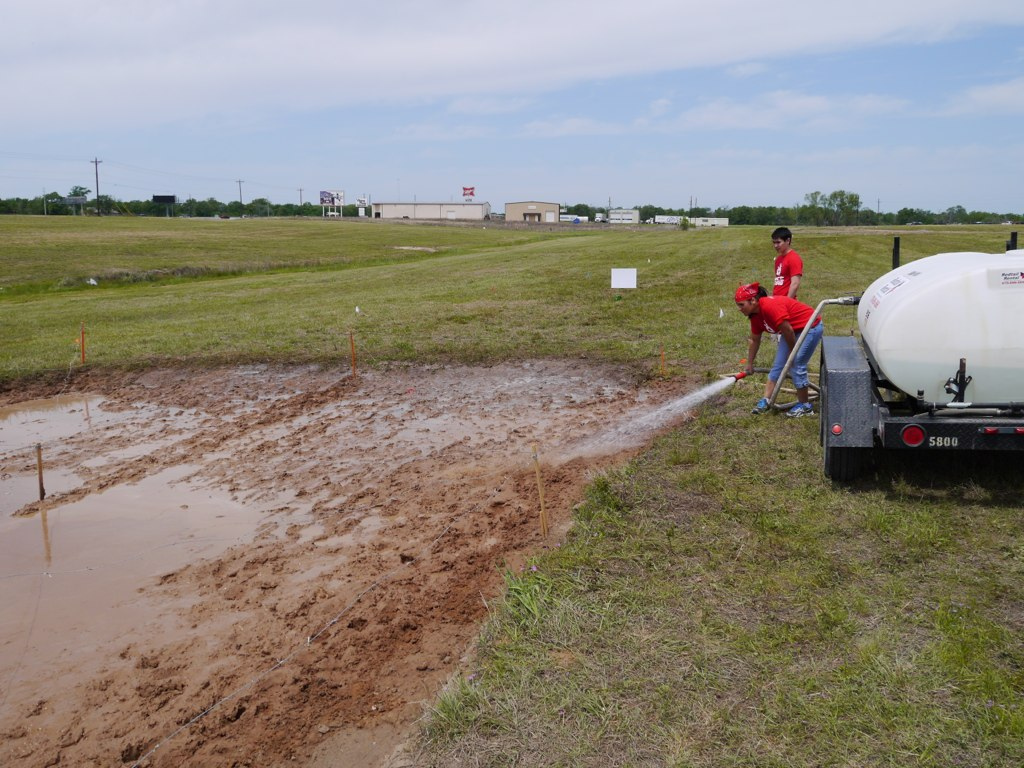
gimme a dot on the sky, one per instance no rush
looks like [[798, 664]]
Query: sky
[[907, 103]]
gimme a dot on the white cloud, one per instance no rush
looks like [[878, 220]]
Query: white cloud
[[570, 126], [787, 111], [660, 107], [128, 63], [747, 69], [1006, 98], [484, 105]]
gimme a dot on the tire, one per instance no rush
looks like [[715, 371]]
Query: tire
[[843, 464]]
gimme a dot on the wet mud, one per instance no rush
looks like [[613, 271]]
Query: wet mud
[[267, 566]]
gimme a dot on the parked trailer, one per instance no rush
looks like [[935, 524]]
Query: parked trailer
[[938, 365]]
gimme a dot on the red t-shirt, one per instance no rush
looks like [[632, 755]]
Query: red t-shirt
[[773, 310], [787, 266]]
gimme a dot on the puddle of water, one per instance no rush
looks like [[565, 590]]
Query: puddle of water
[[71, 579], [23, 425], [42, 423]]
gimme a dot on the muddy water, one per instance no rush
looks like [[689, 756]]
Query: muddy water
[[70, 577], [43, 423], [130, 582]]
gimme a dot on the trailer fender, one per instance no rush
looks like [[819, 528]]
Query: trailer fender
[[849, 413]]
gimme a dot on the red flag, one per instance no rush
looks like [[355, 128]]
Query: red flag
[[468, 191]]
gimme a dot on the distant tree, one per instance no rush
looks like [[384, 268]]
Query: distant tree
[[868, 218], [648, 212], [581, 209], [955, 214], [209, 207], [843, 207], [105, 204], [813, 211], [983, 217], [740, 214], [914, 216]]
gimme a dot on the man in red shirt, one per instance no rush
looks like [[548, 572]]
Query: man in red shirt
[[787, 317], [789, 267]]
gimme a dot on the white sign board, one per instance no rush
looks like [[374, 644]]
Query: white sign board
[[624, 278]]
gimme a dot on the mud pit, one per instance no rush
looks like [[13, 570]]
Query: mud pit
[[260, 567]]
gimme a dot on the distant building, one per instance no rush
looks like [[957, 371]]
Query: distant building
[[433, 211], [533, 211], [706, 221], [624, 216]]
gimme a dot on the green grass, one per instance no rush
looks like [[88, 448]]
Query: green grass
[[717, 602], [211, 292], [767, 620]]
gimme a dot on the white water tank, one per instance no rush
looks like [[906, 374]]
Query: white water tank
[[920, 319]]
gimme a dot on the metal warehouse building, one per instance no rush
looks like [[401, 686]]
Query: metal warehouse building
[[433, 211], [533, 212]]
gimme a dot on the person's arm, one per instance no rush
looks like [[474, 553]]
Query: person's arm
[[753, 344], [788, 334], [794, 286]]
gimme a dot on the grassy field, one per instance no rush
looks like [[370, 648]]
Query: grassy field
[[718, 602]]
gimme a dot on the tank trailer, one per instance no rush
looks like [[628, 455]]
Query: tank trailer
[[938, 364]]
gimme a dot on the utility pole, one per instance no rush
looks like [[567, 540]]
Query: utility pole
[[96, 163], [300, 197], [240, 191]]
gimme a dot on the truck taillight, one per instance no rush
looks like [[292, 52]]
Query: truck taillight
[[912, 435], [837, 429]]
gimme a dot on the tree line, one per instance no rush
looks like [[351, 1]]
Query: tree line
[[838, 209]]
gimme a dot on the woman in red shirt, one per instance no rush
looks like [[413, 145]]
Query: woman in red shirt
[[787, 317]]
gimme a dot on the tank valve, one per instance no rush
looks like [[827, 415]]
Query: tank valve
[[957, 385]]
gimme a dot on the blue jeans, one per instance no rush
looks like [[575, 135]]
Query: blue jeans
[[798, 370]]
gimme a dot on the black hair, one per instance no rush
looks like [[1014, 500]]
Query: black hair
[[761, 292], [782, 233]]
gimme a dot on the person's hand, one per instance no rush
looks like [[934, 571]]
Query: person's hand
[[749, 369]]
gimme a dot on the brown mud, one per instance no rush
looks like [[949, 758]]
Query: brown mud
[[279, 566]]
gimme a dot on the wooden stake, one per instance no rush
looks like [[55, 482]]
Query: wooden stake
[[540, 491], [352, 346], [46, 538], [81, 343], [663, 361], [39, 466]]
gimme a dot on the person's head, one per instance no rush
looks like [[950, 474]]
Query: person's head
[[747, 297], [782, 240]]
